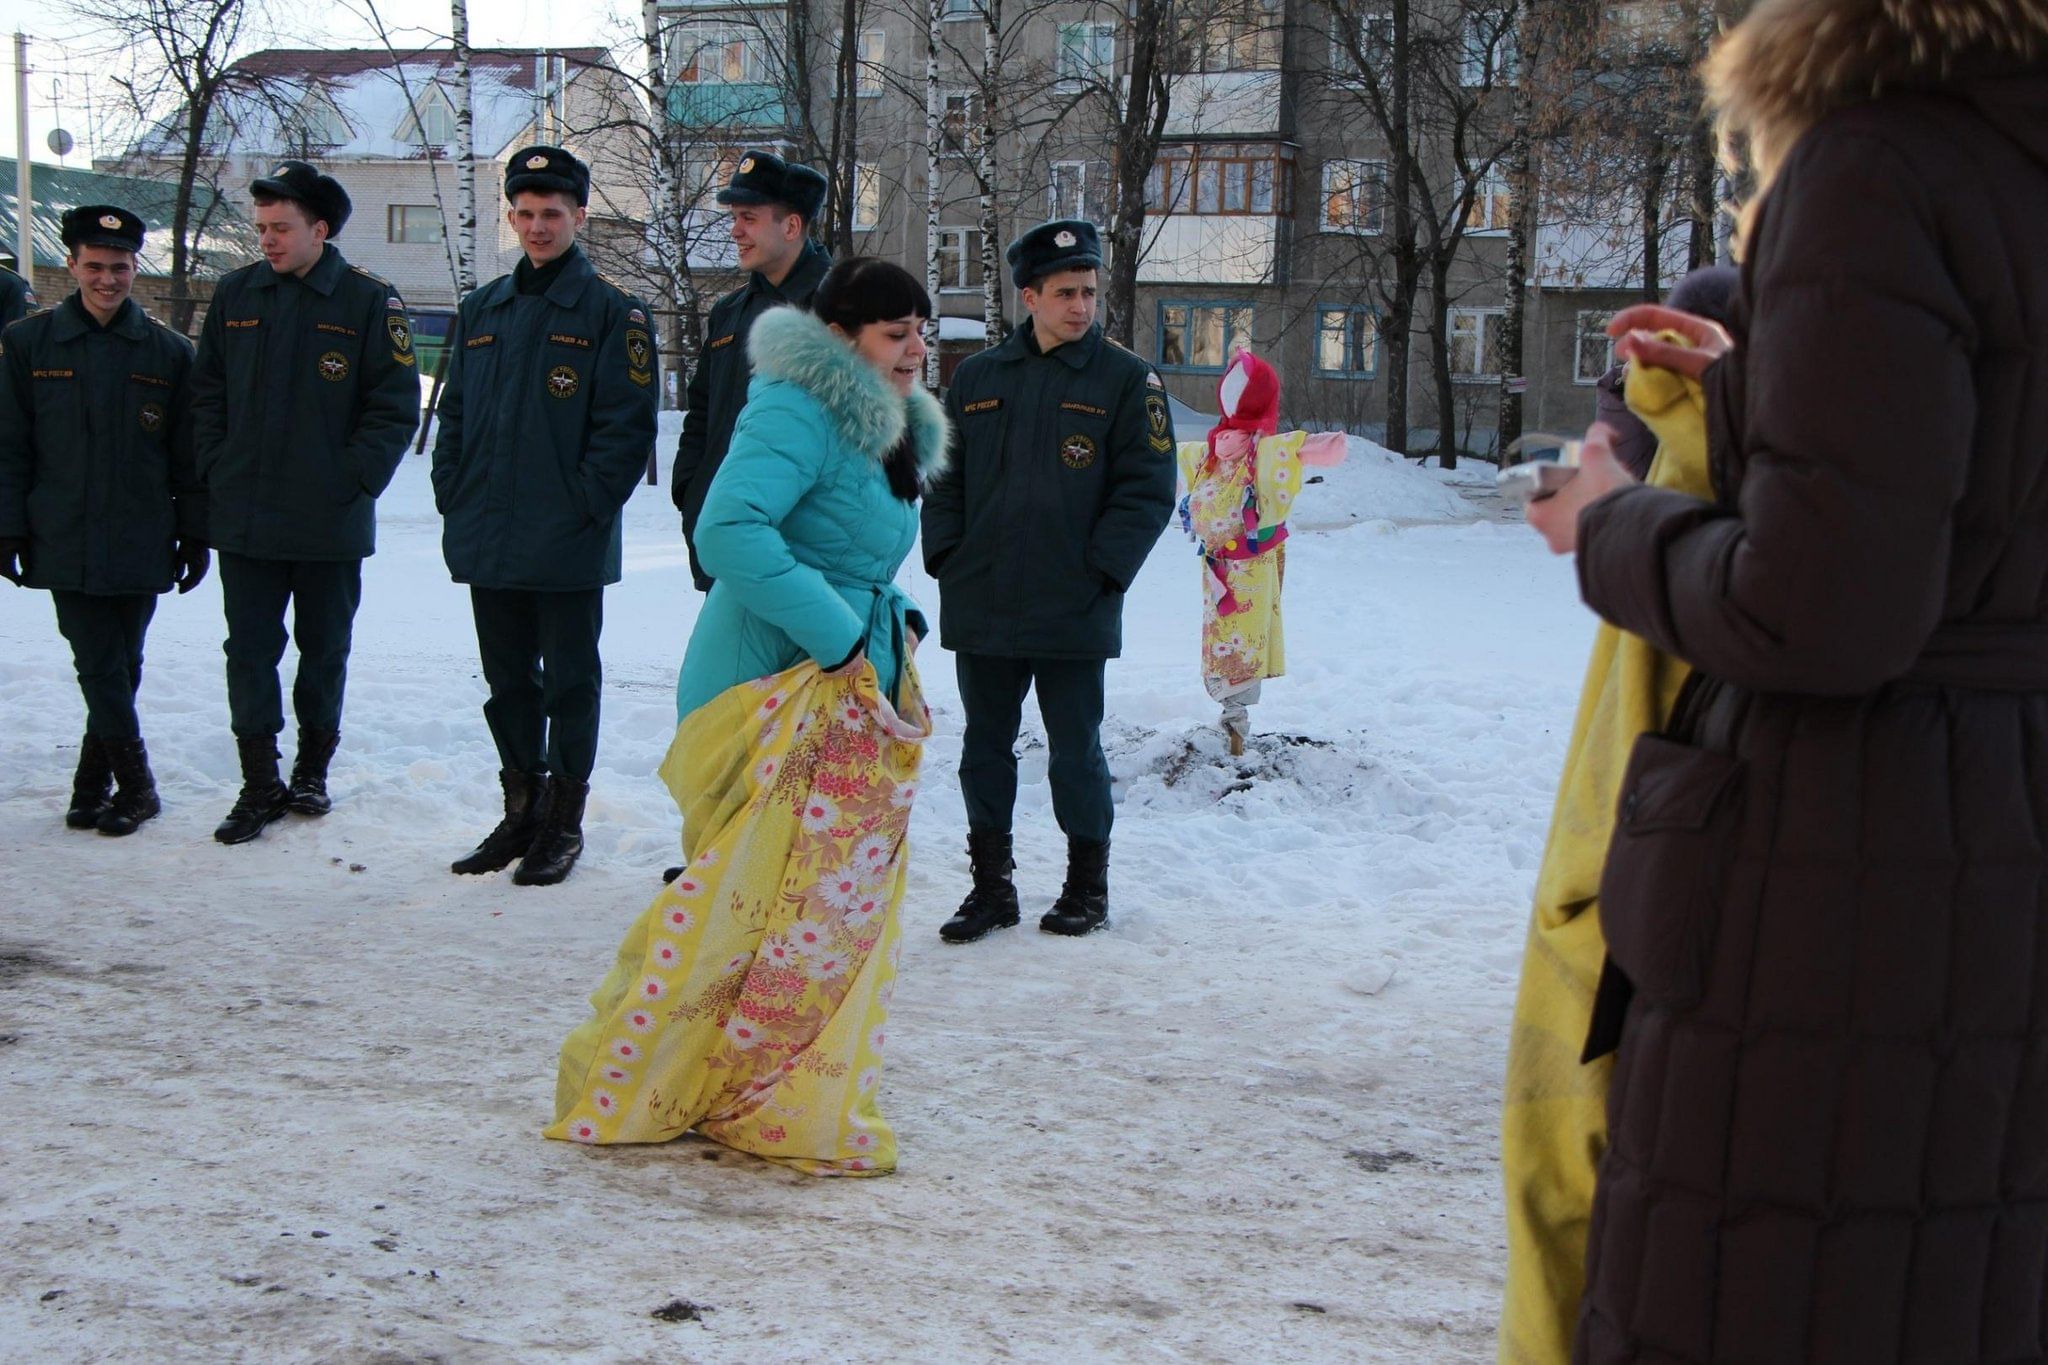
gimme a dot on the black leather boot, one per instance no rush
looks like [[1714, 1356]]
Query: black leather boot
[[308, 787], [90, 785], [262, 799], [525, 802], [1083, 906], [560, 841], [992, 904], [136, 799]]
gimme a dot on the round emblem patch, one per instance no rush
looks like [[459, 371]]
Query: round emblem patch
[[1063, 238], [333, 367], [561, 382], [110, 220], [747, 166], [536, 162], [151, 416], [280, 172], [1077, 452]]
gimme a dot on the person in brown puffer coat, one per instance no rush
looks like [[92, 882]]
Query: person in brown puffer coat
[[1826, 904]]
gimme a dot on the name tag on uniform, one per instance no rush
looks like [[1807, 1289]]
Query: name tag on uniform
[[564, 339], [52, 374], [334, 327], [245, 322], [983, 405], [725, 340], [154, 381], [1088, 408], [487, 339]]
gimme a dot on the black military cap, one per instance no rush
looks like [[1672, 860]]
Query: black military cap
[[101, 225], [322, 195], [1062, 244], [549, 170], [765, 178]]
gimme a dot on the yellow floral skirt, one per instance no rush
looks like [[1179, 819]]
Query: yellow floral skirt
[[749, 1003]]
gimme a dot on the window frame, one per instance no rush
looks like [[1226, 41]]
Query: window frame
[[1579, 337], [870, 71], [1186, 179], [867, 184], [1488, 340], [1483, 63], [1368, 172], [1350, 312], [1231, 340], [396, 215], [970, 260], [1100, 71], [1492, 191], [1342, 72], [756, 59]]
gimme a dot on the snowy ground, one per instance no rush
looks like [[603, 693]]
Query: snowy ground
[[282, 1102]]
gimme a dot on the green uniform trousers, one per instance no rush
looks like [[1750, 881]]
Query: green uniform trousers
[[992, 691], [323, 596], [106, 633], [539, 652]]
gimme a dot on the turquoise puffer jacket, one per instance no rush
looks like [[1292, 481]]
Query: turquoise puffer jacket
[[799, 529]]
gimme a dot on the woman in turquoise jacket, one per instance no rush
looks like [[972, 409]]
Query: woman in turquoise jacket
[[815, 507]]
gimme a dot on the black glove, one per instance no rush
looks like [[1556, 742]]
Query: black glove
[[14, 558], [192, 558]]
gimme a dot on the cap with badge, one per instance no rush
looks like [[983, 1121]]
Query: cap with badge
[[1062, 244], [101, 225], [302, 183], [765, 178], [548, 170]]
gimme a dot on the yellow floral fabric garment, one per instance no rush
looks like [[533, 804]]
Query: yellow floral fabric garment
[[1554, 1115], [750, 1002], [1235, 506]]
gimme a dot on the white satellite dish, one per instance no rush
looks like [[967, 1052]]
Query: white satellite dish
[[61, 142]]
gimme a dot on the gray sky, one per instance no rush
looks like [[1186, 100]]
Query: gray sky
[[57, 54]]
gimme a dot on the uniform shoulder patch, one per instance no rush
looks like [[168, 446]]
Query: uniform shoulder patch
[[375, 278]]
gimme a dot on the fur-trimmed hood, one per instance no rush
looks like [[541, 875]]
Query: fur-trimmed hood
[[789, 344], [1790, 62]]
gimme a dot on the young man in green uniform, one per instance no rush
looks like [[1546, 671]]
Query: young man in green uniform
[[546, 423], [98, 499], [772, 205], [304, 396], [17, 297], [1061, 480]]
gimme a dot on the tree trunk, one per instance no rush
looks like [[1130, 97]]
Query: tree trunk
[[1653, 230], [1407, 268], [1141, 124], [1440, 359], [465, 153], [1522, 185], [985, 162]]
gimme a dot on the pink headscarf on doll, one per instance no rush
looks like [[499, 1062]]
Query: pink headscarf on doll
[[1248, 396]]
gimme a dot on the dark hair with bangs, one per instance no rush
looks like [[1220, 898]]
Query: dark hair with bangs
[[865, 289]]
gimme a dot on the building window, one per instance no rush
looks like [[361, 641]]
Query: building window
[[318, 123], [871, 72], [1487, 48], [698, 181], [959, 258], [1493, 207], [1347, 343], [1233, 35], [1087, 53], [1354, 195], [414, 224], [960, 9], [1079, 189], [1360, 43], [1592, 349], [867, 196], [721, 54], [1202, 336], [1475, 343], [960, 123], [433, 124], [1223, 178]]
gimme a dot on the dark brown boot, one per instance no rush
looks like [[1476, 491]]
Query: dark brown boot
[[992, 904], [1083, 906], [525, 802], [90, 785], [262, 799], [135, 801], [308, 787], [559, 842]]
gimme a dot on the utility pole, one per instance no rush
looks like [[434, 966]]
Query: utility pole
[[24, 202]]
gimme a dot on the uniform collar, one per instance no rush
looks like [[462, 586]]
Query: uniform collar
[[577, 273], [1022, 344], [72, 321], [321, 279], [802, 280]]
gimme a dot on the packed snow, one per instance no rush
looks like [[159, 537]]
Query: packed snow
[[283, 1101]]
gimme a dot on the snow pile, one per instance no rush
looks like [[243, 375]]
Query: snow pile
[[283, 1101], [1375, 484]]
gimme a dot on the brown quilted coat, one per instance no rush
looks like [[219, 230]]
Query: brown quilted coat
[[1827, 900]]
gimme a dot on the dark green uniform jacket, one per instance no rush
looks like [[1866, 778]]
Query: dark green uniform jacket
[[546, 423], [95, 453], [718, 386], [303, 399], [1061, 480], [16, 298]]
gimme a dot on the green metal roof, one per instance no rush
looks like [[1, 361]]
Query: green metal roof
[[55, 190]]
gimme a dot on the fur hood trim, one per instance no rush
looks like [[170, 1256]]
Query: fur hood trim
[[791, 345], [1790, 62]]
